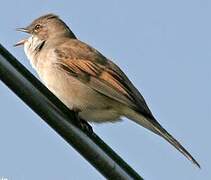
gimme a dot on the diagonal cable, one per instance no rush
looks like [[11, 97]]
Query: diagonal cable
[[61, 119]]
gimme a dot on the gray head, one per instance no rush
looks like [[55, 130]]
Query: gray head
[[48, 26]]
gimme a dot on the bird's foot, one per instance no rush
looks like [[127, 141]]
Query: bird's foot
[[83, 124]]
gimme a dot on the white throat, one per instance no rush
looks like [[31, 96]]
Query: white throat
[[31, 47]]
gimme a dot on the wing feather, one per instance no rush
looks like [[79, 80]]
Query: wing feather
[[106, 78]]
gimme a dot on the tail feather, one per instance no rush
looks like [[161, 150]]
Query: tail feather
[[163, 133], [155, 127]]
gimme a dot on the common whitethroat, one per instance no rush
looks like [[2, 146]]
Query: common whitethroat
[[85, 80]]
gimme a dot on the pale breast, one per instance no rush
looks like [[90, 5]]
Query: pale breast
[[73, 93], [76, 95]]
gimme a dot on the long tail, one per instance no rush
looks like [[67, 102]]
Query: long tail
[[163, 133], [155, 127]]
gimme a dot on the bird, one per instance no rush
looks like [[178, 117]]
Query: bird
[[85, 80]]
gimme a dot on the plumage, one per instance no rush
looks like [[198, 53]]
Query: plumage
[[85, 80]]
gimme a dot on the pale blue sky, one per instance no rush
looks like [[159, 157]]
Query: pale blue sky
[[165, 49]]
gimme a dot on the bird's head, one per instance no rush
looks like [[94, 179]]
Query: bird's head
[[46, 27]]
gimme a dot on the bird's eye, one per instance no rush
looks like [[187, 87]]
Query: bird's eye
[[37, 27]]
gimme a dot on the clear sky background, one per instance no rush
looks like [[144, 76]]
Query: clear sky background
[[165, 49]]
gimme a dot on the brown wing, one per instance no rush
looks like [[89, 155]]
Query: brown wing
[[92, 68], [103, 76]]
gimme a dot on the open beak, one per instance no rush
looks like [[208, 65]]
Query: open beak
[[21, 42], [22, 30]]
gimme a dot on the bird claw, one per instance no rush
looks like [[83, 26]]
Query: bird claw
[[85, 126]]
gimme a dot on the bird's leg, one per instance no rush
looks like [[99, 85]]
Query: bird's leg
[[81, 123], [85, 126]]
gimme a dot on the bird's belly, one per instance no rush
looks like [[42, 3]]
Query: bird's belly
[[92, 105], [100, 115]]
